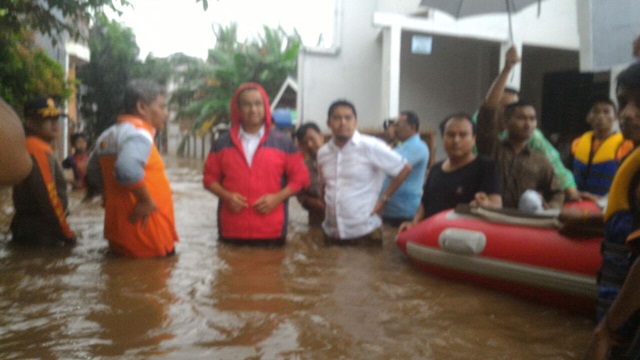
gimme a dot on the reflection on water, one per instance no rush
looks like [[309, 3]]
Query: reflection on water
[[218, 301]]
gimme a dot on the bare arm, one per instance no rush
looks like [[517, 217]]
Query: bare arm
[[14, 158], [419, 216], [144, 205], [626, 303], [394, 184], [492, 99]]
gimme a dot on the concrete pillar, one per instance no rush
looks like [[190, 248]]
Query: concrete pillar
[[391, 56], [516, 73]]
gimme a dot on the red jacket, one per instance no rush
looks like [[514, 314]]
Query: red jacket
[[276, 164]]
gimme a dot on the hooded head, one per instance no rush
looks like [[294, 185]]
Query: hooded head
[[244, 105]]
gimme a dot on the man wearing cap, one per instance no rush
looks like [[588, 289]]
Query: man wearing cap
[[139, 219], [40, 200]]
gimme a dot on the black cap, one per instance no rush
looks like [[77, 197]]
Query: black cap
[[42, 107]]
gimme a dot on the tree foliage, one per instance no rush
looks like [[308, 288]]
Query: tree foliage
[[27, 71], [53, 17], [267, 60], [114, 55]]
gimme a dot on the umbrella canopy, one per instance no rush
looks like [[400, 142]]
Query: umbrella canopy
[[462, 8]]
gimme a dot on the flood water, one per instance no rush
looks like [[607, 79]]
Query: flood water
[[217, 301]]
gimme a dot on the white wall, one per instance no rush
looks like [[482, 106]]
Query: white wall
[[466, 58], [353, 73], [454, 78]]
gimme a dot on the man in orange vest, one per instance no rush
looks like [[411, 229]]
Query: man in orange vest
[[40, 200], [139, 220]]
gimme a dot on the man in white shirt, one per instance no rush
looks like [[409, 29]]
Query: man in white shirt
[[353, 167]]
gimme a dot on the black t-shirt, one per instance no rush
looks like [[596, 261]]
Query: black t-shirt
[[445, 190]]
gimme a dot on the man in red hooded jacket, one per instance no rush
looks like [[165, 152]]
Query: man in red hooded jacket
[[253, 170]]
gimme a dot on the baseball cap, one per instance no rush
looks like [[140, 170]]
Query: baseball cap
[[43, 107]]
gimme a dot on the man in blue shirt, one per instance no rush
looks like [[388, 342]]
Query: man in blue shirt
[[403, 204]]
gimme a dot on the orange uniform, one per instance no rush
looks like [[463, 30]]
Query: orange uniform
[[158, 235]]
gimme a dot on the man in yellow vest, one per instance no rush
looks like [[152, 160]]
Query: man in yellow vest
[[597, 153]]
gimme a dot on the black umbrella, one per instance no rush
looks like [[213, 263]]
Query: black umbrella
[[462, 8]]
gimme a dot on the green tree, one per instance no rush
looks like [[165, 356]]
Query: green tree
[[267, 60], [27, 71], [114, 55], [52, 17]]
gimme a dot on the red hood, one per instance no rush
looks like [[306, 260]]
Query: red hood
[[235, 112]]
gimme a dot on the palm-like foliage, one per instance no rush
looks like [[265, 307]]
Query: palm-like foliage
[[206, 90]]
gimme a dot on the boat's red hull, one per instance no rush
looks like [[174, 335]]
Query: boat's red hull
[[530, 262]]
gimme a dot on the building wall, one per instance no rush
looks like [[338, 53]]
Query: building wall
[[453, 78], [538, 62], [353, 72]]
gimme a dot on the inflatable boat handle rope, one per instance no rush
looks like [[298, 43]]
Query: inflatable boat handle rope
[[509, 216]]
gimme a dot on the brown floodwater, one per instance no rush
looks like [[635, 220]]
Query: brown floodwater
[[216, 301]]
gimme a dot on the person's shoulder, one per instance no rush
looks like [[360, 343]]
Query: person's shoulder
[[419, 145], [484, 160], [370, 141], [437, 166], [324, 149]]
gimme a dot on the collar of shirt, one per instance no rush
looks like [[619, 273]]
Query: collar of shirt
[[525, 151], [247, 136], [355, 139], [411, 139]]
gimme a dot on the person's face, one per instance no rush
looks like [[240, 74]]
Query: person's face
[[404, 130], [46, 129], [80, 145], [458, 138], [391, 131], [522, 123], [601, 117], [155, 112], [342, 123], [629, 114], [312, 142], [506, 99], [251, 108]]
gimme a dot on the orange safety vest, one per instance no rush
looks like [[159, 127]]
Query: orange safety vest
[[39, 149], [158, 235]]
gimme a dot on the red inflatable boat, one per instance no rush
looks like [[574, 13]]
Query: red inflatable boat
[[523, 255]]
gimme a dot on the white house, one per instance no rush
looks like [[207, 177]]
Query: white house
[[566, 56]]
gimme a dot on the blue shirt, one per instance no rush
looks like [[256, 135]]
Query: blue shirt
[[404, 203]]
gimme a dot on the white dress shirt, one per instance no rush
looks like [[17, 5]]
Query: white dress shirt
[[353, 176], [250, 142]]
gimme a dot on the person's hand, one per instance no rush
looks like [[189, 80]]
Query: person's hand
[[480, 199], [512, 57], [302, 199], [378, 208], [601, 341], [572, 194], [142, 211], [589, 196], [266, 203], [571, 215], [236, 202], [405, 226]]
